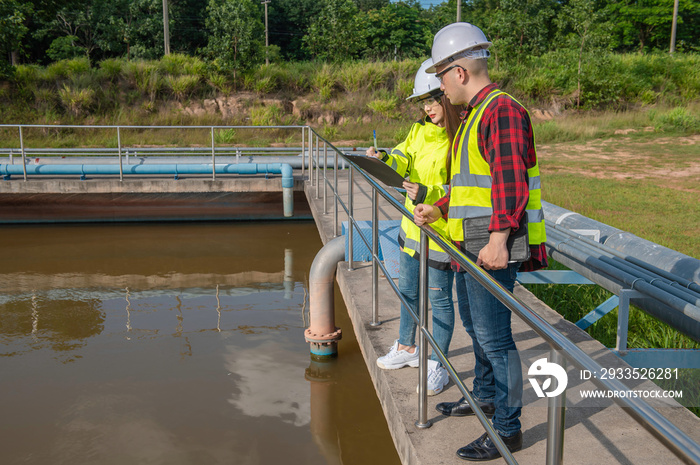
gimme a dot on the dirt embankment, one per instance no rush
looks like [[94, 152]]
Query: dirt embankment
[[669, 161]]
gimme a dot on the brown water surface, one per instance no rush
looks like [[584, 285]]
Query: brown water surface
[[174, 343]]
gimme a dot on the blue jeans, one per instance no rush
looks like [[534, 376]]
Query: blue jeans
[[440, 296], [497, 373]]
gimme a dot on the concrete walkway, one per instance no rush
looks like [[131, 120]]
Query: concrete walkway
[[604, 434]]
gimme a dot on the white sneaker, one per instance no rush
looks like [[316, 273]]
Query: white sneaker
[[437, 378], [398, 358]]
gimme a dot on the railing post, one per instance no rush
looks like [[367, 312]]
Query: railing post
[[350, 218], [303, 150], [213, 157], [318, 166], [556, 412], [375, 261], [335, 195], [623, 317], [423, 421], [119, 148], [311, 157], [325, 178], [24, 155]]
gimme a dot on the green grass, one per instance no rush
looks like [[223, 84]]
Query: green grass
[[665, 216]]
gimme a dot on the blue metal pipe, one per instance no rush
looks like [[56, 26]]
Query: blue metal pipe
[[174, 169]]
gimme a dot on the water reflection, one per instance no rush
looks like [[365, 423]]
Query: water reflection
[[268, 381], [185, 346]]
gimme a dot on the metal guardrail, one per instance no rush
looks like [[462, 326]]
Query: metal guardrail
[[120, 149], [669, 434]]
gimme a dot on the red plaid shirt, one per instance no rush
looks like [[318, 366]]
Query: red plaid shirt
[[507, 144]]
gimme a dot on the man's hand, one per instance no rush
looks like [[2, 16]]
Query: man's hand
[[411, 189], [494, 255], [424, 213]]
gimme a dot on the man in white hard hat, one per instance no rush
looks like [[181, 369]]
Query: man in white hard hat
[[494, 175]]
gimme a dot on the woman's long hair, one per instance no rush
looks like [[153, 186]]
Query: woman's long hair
[[452, 122]]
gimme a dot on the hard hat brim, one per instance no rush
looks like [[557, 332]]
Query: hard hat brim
[[433, 69]]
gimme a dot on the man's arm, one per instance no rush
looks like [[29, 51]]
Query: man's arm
[[507, 136]]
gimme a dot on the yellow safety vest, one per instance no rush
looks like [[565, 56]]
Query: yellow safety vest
[[470, 186], [423, 158]]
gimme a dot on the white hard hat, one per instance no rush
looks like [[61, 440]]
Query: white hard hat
[[424, 83], [457, 40]]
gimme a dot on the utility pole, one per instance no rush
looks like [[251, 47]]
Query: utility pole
[[673, 26], [267, 55], [166, 30], [459, 11]]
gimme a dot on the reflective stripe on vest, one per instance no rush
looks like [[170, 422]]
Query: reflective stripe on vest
[[470, 194]]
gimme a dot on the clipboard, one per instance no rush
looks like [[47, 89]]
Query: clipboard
[[378, 169], [476, 236]]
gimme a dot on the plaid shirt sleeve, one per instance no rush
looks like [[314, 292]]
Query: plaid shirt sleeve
[[444, 203], [506, 139]]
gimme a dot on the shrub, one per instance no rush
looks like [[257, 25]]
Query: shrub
[[44, 99], [678, 119], [78, 66], [177, 64], [351, 77], [112, 67], [145, 76], [27, 75], [219, 82], [385, 107], [182, 86], [324, 81], [270, 115], [76, 101], [404, 88], [225, 136]]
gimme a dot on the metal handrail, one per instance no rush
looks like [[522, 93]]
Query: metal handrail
[[674, 439], [119, 129]]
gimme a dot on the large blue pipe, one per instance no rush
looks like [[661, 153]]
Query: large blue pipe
[[173, 169]]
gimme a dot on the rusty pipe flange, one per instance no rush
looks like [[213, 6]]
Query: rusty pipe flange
[[323, 338]]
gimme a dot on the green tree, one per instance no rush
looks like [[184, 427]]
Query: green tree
[[519, 28], [143, 29], [64, 48], [367, 5], [646, 24], [288, 23], [398, 30], [236, 33], [107, 29], [13, 15], [337, 33], [582, 26], [187, 29]]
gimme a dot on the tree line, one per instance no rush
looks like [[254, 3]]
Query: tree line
[[231, 33]]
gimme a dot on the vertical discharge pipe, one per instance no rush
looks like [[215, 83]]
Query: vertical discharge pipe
[[322, 334]]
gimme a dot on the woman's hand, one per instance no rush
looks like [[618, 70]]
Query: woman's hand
[[411, 189], [372, 153], [424, 213]]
